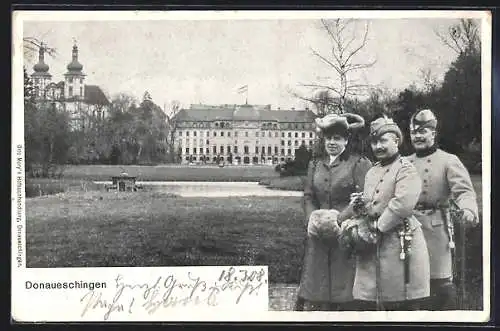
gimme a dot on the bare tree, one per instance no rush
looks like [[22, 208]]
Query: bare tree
[[346, 43], [462, 37], [172, 128]]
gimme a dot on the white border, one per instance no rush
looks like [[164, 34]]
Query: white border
[[18, 139]]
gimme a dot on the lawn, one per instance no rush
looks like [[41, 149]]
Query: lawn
[[96, 228], [172, 172]]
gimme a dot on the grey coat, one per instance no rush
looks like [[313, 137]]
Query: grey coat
[[391, 192], [328, 272]]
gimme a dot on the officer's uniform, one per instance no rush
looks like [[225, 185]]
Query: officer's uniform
[[443, 176], [392, 188]]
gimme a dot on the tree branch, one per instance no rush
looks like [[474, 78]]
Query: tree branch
[[363, 44], [327, 61]]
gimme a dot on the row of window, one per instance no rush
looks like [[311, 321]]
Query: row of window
[[246, 150], [257, 134], [289, 142], [275, 126]]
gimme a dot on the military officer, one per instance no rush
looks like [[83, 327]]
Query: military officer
[[390, 276], [443, 176]]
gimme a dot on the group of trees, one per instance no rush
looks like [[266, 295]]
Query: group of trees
[[456, 100], [130, 133]]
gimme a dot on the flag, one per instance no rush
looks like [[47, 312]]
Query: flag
[[243, 89]]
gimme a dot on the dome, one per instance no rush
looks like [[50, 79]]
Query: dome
[[41, 66], [75, 65]]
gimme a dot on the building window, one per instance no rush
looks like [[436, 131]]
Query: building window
[[208, 133], [282, 152], [269, 150], [215, 149], [245, 149], [275, 149], [296, 143], [228, 149], [236, 133], [310, 142], [207, 150], [289, 143], [283, 134], [222, 134], [282, 143], [81, 91], [222, 125], [187, 133], [70, 79], [289, 135], [269, 134], [289, 151], [296, 134], [303, 142], [235, 149], [207, 142], [222, 149], [180, 133], [263, 150], [70, 91], [194, 150], [310, 134], [246, 133], [303, 134], [215, 134], [256, 149], [194, 133], [187, 150], [229, 134]]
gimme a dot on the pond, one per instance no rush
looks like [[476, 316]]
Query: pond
[[214, 189]]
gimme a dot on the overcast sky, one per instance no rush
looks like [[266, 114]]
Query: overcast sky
[[206, 61]]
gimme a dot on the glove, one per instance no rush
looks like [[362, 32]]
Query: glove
[[323, 224]]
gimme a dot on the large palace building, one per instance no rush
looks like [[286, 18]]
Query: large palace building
[[85, 103], [242, 134]]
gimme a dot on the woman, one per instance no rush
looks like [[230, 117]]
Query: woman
[[328, 272]]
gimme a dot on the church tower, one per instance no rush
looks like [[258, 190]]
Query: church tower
[[41, 76], [74, 87]]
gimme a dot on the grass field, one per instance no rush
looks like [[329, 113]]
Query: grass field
[[96, 228], [172, 172]]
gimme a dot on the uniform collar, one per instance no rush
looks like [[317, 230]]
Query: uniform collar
[[389, 160], [426, 152]]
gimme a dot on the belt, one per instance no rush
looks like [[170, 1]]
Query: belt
[[428, 206]]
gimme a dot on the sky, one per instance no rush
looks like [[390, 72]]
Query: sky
[[207, 61]]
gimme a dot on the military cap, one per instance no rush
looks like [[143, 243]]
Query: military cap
[[339, 122], [424, 118], [383, 125]]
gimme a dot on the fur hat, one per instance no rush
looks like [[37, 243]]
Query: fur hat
[[424, 118], [383, 125], [339, 123]]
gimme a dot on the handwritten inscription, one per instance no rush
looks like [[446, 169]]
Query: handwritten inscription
[[169, 292]]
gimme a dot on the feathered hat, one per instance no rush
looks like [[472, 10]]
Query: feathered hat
[[339, 123]]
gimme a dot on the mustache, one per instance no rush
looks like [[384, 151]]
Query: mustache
[[380, 150]]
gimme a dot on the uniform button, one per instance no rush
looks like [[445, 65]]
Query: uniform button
[[381, 180], [425, 180], [426, 170], [428, 160], [424, 192], [411, 161], [326, 179], [377, 191], [375, 202]]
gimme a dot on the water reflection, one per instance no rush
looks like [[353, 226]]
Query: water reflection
[[214, 189]]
